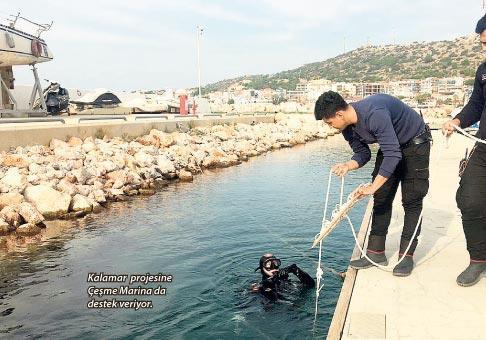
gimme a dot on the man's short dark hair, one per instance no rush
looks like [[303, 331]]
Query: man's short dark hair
[[481, 25], [328, 104]]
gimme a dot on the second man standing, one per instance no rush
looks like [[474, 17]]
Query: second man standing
[[403, 157]]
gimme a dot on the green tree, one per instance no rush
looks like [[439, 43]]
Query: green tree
[[428, 59], [422, 97]]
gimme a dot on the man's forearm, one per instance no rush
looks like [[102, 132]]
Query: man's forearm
[[352, 164], [378, 182]]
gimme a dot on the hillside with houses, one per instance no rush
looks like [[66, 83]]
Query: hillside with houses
[[433, 76]]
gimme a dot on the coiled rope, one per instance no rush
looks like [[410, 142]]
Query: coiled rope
[[319, 271]]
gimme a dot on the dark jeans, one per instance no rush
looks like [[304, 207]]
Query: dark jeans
[[471, 200], [413, 173]]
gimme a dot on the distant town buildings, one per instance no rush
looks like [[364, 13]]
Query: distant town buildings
[[424, 93]]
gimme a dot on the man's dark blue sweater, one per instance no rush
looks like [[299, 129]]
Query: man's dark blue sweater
[[385, 120], [473, 111]]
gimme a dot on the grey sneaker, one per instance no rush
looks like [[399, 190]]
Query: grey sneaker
[[472, 274], [363, 263], [405, 267]]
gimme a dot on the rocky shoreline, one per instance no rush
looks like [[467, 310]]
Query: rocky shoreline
[[69, 179]]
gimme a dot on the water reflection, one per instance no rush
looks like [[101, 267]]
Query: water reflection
[[208, 234]]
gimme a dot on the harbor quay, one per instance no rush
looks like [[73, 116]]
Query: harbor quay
[[374, 304], [51, 170]]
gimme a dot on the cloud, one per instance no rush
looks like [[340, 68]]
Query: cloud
[[144, 43], [217, 11]]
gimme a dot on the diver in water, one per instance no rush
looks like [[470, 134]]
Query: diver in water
[[273, 277]]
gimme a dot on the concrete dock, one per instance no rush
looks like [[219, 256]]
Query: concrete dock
[[30, 131], [429, 304]]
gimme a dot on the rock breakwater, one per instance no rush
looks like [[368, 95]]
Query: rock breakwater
[[68, 179]]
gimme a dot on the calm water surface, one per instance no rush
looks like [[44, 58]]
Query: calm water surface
[[209, 235]]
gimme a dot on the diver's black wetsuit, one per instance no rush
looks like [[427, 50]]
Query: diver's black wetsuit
[[270, 286]]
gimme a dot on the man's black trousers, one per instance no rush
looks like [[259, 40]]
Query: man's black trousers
[[412, 172], [471, 200]]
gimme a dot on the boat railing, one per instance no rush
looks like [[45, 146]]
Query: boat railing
[[40, 27], [102, 118], [186, 116], [211, 115], [31, 120], [151, 116]]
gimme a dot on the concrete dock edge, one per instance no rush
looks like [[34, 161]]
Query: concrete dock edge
[[342, 306]]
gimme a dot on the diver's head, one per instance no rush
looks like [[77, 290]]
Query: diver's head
[[269, 265]]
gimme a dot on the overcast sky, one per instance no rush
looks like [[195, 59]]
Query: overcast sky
[[149, 44]]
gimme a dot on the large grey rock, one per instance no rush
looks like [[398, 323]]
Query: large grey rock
[[98, 195], [148, 140], [14, 178], [118, 177], [88, 146], [293, 123], [119, 160], [28, 229], [298, 138], [185, 176], [108, 166], [38, 150], [81, 175], [75, 141], [33, 179], [81, 203], [69, 152], [143, 159], [84, 190], [11, 215], [116, 192], [94, 170], [49, 202], [199, 156], [5, 228], [164, 165], [11, 198], [96, 207], [19, 161], [222, 135], [29, 213], [66, 186], [164, 140], [35, 168], [56, 143]]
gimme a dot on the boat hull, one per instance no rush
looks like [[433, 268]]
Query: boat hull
[[20, 48]]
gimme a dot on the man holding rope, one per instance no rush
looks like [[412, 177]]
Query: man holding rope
[[403, 157], [471, 195]]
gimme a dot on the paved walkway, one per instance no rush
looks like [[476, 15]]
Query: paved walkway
[[428, 304]]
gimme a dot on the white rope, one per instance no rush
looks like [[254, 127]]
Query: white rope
[[468, 135], [319, 271], [363, 253]]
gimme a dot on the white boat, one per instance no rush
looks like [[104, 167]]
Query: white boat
[[21, 48], [18, 47]]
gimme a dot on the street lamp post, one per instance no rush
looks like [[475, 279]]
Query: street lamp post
[[199, 31]]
